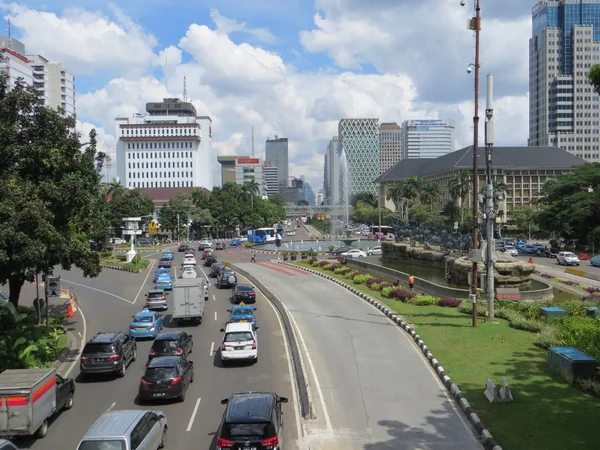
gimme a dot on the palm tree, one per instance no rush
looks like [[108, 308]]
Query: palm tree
[[395, 193], [430, 192], [249, 190], [113, 188], [412, 189], [460, 187]]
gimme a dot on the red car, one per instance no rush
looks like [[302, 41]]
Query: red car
[[206, 253], [181, 248]]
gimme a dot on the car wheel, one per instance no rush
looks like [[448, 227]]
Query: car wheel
[[123, 370], [163, 439], [42, 430], [182, 396], [69, 403]]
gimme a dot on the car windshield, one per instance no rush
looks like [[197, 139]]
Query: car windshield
[[238, 336], [243, 312], [164, 277], [246, 430], [143, 319], [98, 348], [160, 373], [102, 445], [165, 260], [188, 269], [570, 255]]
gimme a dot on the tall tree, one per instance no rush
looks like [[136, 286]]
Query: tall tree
[[429, 194], [365, 197], [51, 206], [594, 77], [460, 188], [126, 203]]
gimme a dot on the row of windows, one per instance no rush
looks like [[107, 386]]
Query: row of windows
[[148, 145], [160, 165], [186, 174], [160, 131], [156, 155], [159, 184]]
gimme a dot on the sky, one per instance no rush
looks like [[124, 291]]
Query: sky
[[291, 68]]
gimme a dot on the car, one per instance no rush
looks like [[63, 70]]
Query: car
[[164, 281], [182, 248], [144, 241], [252, 420], [189, 259], [202, 246], [235, 242], [108, 353], [219, 246], [595, 261], [511, 250], [551, 252], [215, 269], [7, 445], [226, 278], [206, 242], [172, 343], [117, 241], [375, 250], [206, 253], [239, 343], [156, 299], [354, 253], [127, 429], [210, 260], [243, 293], [189, 272], [243, 313], [567, 259], [165, 263], [529, 250], [146, 324], [161, 271], [290, 233], [339, 250], [168, 254], [166, 377]]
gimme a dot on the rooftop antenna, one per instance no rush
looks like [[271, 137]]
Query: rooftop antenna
[[252, 141], [9, 34], [185, 97]]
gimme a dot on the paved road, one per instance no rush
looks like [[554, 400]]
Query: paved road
[[551, 262], [371, 388], [109, 306]]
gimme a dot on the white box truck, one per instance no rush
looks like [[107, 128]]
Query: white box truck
[[189, 300], [29, 397]]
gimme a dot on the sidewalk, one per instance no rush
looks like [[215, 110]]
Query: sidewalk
[[312, 231], [560, 273]]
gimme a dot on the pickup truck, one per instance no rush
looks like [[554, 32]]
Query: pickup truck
[[29, 398], [189, 299]]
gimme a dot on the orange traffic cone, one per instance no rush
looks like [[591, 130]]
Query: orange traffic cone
[[70, 311], [530, 260]]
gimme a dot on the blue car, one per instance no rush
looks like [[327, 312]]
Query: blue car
[[243, 313], [168, 254], [235, 242], [595, 261], [159, 272], [146, 324], [164, 281]]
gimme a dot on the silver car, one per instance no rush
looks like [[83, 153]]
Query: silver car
[[567, 259], [134, 429], [156, 300]]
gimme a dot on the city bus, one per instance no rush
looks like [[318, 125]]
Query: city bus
[[269, 234], [382, 232]]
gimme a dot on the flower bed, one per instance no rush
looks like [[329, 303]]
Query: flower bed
[[547, 276]]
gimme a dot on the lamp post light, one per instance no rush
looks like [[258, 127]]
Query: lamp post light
[[132, 228], [490, 210]]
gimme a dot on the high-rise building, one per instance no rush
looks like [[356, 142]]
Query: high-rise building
[[276, 153], [390, 145], [359, 144], [326, 175], [320, 197], [249, 170], [227, 168], [169, 147], [55, 85], [563, 108], [308, 194], [271, 180], [332, 175], [427, 138], [14, 62]]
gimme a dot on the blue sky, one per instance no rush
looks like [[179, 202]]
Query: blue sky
[[292, 68]]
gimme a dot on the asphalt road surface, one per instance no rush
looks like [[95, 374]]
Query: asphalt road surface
[[371, 387], [551, 262], [108, 302]]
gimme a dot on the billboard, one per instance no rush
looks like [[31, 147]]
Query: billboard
[[242, 161]]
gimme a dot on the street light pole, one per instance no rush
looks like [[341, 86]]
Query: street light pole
[[475, 25], [177, 227], [490, 213]]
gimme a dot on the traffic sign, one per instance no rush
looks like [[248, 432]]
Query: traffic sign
[[153, 231], [153, 225]]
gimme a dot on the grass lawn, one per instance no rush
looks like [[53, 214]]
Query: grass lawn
[[111, 261], [546, 413]]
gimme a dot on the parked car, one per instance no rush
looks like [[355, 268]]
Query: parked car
[[117, 241], [239, 343], [511, 250], [146, 324], [108, 353], [339, 250], [252, 420], [156, 299], [235, 242], [567, 259], [243, 293], [172, 343], [166, 377], [144, 241], [551, 252], [595, 261], [127, 429], [375, 250], [354, 253]]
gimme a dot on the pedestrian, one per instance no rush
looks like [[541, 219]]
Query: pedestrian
[[411, 282], [253, 259], [396, 283]]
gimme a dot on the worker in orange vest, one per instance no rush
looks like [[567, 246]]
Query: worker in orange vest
[[411, 282]]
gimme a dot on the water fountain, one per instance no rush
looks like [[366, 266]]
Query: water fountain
[[345, 196]]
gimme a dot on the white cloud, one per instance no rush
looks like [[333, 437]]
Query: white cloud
[[227, 26]]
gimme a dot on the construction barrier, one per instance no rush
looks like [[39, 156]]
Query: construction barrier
[[573, 271], [530, 260]]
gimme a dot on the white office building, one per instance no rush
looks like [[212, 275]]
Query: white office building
[[271, 179], [14, 62], [332, 172], [390, 146], [169, 147], [427, 138], [55, 85], [248, 170]]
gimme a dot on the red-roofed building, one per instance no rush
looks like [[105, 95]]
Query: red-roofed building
[[13, 61], [161, 196]]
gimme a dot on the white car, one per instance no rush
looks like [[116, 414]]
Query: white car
[[240, 343], [189, 260], [354, 253], [290, 233], [375, 250], [117, 241], [567, 259], [189, 271], [511, 250], [206, 242]]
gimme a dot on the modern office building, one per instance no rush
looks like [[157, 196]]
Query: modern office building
[[14, 62], [563, 108], [271, 179], [319, 197], [227, 168], [308, 194], [331, 180], [249, 170], [55, 85], [169, 146], [390, 145], [277, 155], [358, 140], [427, 138]]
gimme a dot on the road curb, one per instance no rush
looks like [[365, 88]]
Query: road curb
[[301, 378], [108, 266], [69, 354], [484, 434]]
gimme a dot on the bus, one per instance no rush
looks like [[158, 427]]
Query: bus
[[260, 235], [382, 232]]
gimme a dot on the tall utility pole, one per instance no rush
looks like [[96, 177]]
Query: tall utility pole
[[475, 24], [177, 227], [490, 213]]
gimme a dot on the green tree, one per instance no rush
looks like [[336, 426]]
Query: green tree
[[526, 219], [51, 206], [364, 212], [429, 193], [278, 199], [302, 203], [127, 203], [460, 187], [594, 77], [175, 215], [365, 197], [200, 199]]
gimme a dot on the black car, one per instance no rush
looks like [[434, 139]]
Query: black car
[[219, 246], [243, 293], [108, 352], [251, 420], [203, 246], [182, 248], [215, 269], [226, 279], [172, 343], [551, 252], [339, 250], [165, 262], [209, 261], [165, 378]]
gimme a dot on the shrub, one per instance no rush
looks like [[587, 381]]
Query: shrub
[[324, 263], [374, 286], [384, 285], [331, 247], [520, 322], [466, 307], [573, 308], [372, 280], [334, 267], [593, 298], [590, 385], [548, 336], [449, 302], [248, 244], [340, 270], [353, 273], [423, 300], [401, 294], [327, 266], [360, 279], [105, 254], [386, 291], [592, 290], [581, 333], [345, 270], [312, 260]]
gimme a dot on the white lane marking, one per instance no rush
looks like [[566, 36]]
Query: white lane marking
[[212, 348], [313, 373], [214, 298], [80, 335], [191, 422], [98, 290], [145, 279], [76, 360], [111, 406], [293, 381], [215, 315]]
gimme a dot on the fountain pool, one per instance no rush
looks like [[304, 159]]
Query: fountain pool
[[319, 246]]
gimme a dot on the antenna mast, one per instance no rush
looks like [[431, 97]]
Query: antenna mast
[[9, 34], [253, 141], [185, 97]]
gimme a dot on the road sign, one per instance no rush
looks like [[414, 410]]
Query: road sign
[[53, 286], [153, 225], [153, 231]]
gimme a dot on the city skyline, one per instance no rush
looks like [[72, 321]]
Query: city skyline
[[293, 71]]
